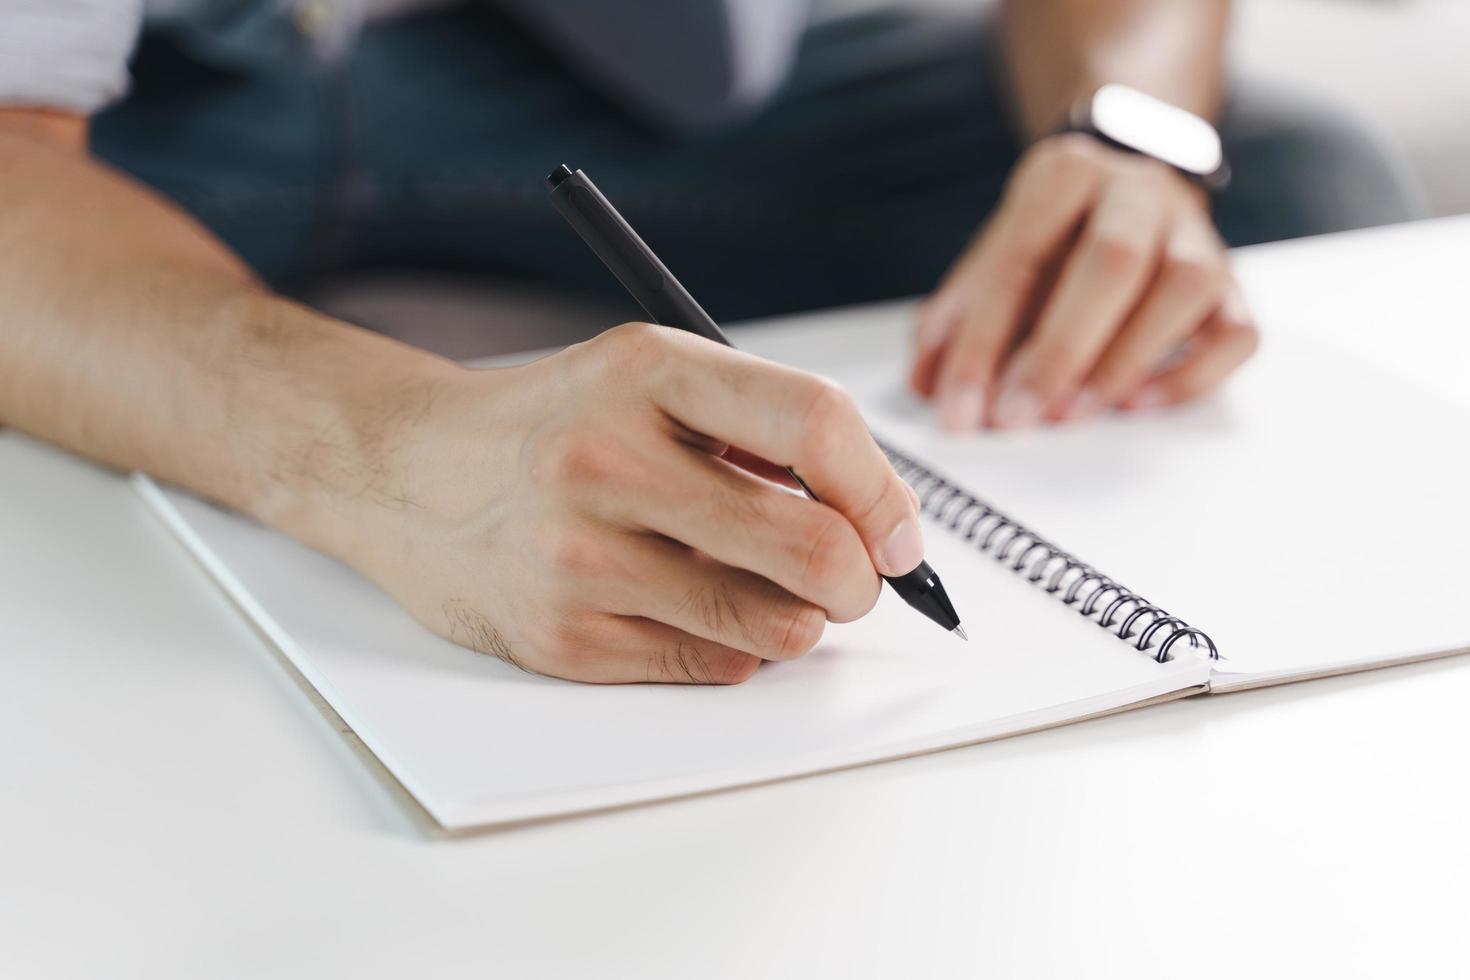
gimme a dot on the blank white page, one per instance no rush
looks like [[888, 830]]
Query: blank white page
[[478, 742], [1312, 518]]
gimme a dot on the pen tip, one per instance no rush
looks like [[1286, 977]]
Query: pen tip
[[960, 632]]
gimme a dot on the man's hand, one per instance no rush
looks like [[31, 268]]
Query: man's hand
[[1099, 282], [606, 514], [585, 516]]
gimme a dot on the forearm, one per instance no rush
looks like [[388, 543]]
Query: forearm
[[130, 335], [1060, 50]]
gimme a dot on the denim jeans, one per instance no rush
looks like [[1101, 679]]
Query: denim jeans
[[426, 144]]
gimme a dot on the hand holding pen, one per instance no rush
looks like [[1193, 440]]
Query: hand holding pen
[[584, 515], [581, 516], [666, 300]]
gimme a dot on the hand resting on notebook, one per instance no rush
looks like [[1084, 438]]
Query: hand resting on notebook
[[1099, 282]]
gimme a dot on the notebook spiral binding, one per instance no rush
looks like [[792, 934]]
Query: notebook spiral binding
[[1098, 597]]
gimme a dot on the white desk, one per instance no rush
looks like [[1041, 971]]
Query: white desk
[[173, 805]]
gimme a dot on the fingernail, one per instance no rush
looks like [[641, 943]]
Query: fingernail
[[913, 495], [961, 406], [1149, 396], [1016, 409], [1085, 404], [903, 550]]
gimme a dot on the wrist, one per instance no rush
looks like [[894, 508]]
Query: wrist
[[344, 404]]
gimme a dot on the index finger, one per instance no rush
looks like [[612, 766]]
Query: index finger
[[794, 419]]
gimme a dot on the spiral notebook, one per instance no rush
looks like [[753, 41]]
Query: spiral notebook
[[1308, 521]]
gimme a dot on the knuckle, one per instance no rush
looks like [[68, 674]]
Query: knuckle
[[563, 647], [821, 544], [1067, 156], [632, 336], [630, 345], [828, 404], [826, 419], [577, 555], [1195, 274], [795, 629], [573, 457], [738, 669], [890, 497], [1116, 253], [734, 667]]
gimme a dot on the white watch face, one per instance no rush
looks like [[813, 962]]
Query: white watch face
[[1155, 127]]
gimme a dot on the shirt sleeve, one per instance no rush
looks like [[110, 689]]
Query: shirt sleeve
[[70, 55]]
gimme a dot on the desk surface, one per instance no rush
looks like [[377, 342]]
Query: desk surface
[[174, 806]]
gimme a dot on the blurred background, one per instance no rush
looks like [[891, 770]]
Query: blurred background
[[1400, 67]]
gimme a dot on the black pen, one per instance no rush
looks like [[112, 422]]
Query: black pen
[[666, 301]]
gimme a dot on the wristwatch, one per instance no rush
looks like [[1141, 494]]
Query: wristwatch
[[1135, 121]]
